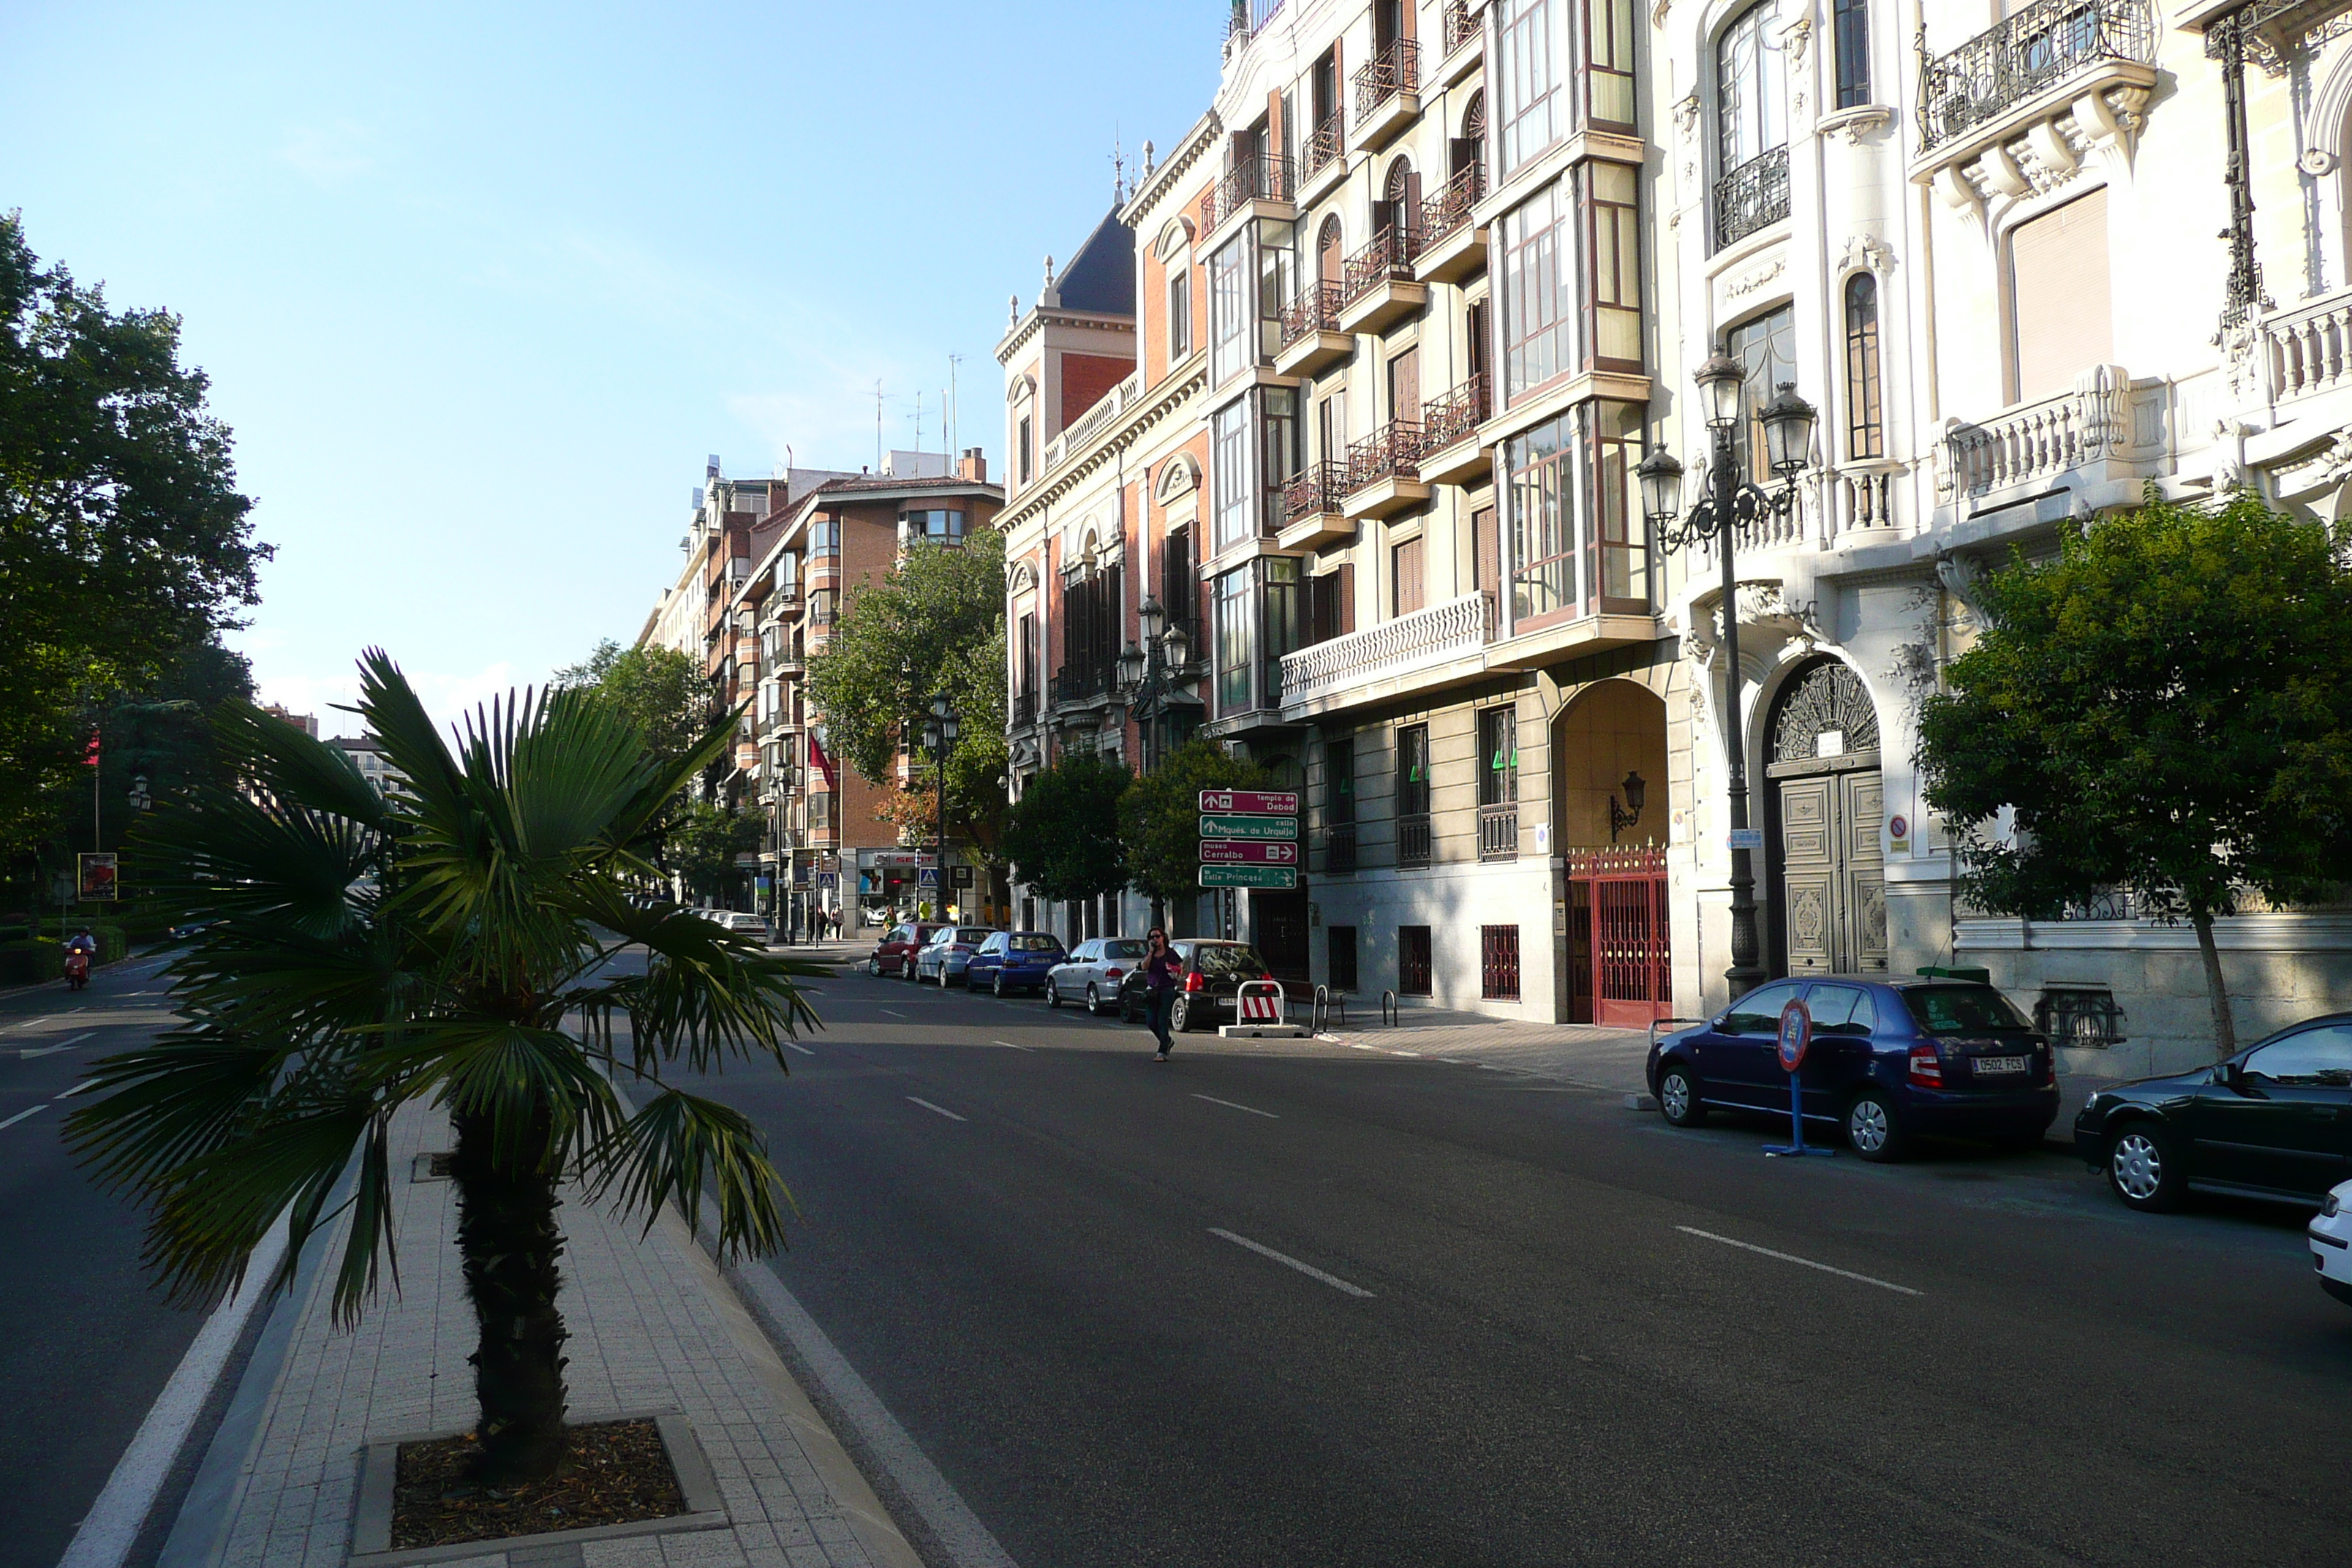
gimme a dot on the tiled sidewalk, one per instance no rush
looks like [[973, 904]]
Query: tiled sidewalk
[[652, 1326]]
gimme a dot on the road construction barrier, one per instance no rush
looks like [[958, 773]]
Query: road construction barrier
[[1260, 1002]]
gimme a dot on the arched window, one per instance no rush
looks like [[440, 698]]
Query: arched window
[[1400, 198], [1750, 93], [1469, 149], [1329, 254], [1864, 398]]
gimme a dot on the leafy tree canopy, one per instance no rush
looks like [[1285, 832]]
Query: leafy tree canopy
[[123, 537], [1159, 816], [660, 688], [935, 625], [2166, 707], [1063, 834], [703, 839]]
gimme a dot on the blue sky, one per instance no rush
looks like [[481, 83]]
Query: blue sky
[[479, 286]]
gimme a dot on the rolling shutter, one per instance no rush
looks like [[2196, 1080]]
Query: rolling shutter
[[2060, 308]]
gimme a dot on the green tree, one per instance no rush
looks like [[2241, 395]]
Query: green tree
[[934, 626], [1159, 816], [2166, 707], [660, 690], [123, 537], [702, 840], [456, 947], [1063, 834]]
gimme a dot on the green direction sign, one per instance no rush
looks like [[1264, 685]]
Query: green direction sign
[[1225, 827], [1281, 876]]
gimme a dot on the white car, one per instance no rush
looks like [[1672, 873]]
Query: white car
[[1093, 972], [2331, 1243]]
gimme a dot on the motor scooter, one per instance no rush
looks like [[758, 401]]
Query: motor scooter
[[77, 968]]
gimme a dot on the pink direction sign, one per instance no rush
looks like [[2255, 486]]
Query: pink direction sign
[[1254, 802], [1226, 852]]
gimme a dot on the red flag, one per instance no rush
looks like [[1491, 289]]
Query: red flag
[[823, 763], [89, 758]]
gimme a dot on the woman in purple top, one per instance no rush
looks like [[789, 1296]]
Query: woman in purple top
[[1162, 968]]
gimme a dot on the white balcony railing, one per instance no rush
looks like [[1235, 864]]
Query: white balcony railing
[[2104, 416], [1393, 647], [1090, 423], [2309, 347]]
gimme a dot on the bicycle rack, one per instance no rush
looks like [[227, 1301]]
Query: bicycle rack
[[1327, 1003], [1391, 1010]]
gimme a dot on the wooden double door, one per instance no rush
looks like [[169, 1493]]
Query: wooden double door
[[1832, 879]]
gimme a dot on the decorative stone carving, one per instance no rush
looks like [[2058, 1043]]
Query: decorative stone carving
[[1830, 696], [1959, 574], [1687, 115], [1867, 253], [1755, 278]]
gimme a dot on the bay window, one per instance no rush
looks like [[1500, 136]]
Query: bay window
[[1578, 544], [1608, 34], [1526, 91], [1538, 309], [1612, 250], [1231, 483], [1279, 450], [1236, 640], [1229, 312]]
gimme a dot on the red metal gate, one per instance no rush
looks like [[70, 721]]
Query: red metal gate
[[1619, 960]]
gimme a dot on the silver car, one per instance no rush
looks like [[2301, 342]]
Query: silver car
[[945, 958], [1091, 977]]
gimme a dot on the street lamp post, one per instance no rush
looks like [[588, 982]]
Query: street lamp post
[[1146, 672], [1731, 502], [940, 733]]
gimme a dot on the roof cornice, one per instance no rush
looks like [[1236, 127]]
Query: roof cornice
[[1197, 142], [1167, 400]]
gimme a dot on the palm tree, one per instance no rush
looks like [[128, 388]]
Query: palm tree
[[453, 944]]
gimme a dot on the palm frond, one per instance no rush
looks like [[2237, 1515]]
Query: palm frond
[[544, 1098], [680, 1143], [706, 993], [214, 1210]]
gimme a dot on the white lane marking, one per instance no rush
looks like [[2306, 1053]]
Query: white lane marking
[[1397, 1053], [60, 1046], [1792, 1258], [21, 1115], [943, 1110], [28, 1023], [1360, 1045], [1010, 1045], [1452, 1061], [796, 1046], [1289, 1262], [1236, 1105], [900, 1017], [82, 1088]]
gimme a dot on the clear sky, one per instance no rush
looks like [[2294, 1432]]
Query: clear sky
[[481, 285]]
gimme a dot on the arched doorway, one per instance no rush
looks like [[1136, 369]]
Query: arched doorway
[[1609, 816], [1825, 803]]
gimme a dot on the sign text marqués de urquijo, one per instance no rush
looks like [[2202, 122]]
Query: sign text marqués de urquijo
[[1237, 827]]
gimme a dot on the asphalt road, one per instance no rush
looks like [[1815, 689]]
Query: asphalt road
[[85, 1343], [1302, 1304]]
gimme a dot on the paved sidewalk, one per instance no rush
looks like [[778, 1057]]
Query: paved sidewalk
[[653, 1327]]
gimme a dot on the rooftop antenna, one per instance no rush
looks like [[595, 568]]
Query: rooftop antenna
[[955, 426], [918, 421], [1118, 168], [878, 425]]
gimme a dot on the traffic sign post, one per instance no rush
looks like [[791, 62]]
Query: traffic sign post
[[1260, 827], [1252, 802], [1249, 838], [1281, 878], [1227, 852], [1796, 1039]]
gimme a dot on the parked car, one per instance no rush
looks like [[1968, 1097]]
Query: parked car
[[189, 931], [942, 958], [2331, 1243], [2273, 1121], [1011, 961], [894, 953], [1092, 971], [1890, 1059], [737, 921], [1208, 993]]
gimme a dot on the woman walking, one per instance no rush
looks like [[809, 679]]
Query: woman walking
[[1161, 967]]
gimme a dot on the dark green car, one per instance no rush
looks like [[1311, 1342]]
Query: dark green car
[[2273, 1122]]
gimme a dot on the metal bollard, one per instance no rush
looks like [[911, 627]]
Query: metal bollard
[[1322, 1009], [1391, 1010]]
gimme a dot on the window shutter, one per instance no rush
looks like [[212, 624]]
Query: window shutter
[[2060, 308], [1407, 557], [1347, 585]]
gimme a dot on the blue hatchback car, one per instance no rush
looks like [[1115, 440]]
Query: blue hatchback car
[[1889, 1059], [1011, 961]]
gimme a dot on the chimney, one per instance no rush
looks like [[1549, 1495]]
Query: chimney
[[974, 465]]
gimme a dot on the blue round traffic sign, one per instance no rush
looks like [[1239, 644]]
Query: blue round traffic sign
[[1796, 1035]]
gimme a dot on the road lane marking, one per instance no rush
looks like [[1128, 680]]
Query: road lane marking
[[21, 1115], [1236, 1105], [1289, 1262], [1397, 1053], [1360, 1045], [796, 1046], [60, 1046], [1792, 1258], [900, 1017], [1010, 1045], [28, 1023], [82, 1088], [943, 1110], [1452, 1061]]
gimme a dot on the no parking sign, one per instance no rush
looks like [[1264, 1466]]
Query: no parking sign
[[1796, 1035]]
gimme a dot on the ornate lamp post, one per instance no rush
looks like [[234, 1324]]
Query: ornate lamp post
[[1144, 671], [940, 733], [1731, 502]]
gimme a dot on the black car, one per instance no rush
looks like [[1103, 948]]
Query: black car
[[2273, 1121], [1207, 994]]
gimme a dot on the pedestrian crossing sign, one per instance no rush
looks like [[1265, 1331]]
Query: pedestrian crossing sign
[[930, 878]]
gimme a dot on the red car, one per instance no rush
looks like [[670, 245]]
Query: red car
[[895, 955]]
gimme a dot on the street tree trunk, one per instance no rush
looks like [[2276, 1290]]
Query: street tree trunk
[[2216, 987], [508, 1237]]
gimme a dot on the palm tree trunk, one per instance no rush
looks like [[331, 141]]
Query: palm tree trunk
[[508, 1237], [2216, 987]]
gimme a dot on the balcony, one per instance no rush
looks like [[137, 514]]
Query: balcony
[[1264, 184], [1752, 196], [1024, 709], [1377, 288], [1340, 848], [1450, 451], [1459, 630], [1085, 687], [2308, 349], [1414, 839], [1311, 338], [1323, 161], [1383, 471], [2017, 82], [1498, 831], [2094, 444], [1450, 248], [1388, 95], [1313, 513], [1459, 35]]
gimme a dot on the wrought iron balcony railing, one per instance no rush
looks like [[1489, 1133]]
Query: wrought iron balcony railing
[[1269, 176], [1751, 196], [1328, 143], [1390, 452], [1387, 258], [1317, 309], [1024, 707], [1498, 831], [1449, 209], [1414, 839], [1082, 683], [1317, 489], [1456, 414], [1395, 70], [2022, 54], [1339, 847], [1461, 27]]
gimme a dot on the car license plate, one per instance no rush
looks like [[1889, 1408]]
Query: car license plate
[[1989, 1066]]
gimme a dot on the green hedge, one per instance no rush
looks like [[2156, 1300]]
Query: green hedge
[[29, 960]]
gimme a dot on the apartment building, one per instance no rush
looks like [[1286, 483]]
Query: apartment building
[[1980, 238], [828, 847]]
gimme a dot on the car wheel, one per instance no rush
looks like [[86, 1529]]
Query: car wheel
[[1871, 1128], [874, 967], [1180, 1020], [1126, 1007], [1052, 997], [1094, 1002], [996, 986], [2144, 1167], [1679, 1100]]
